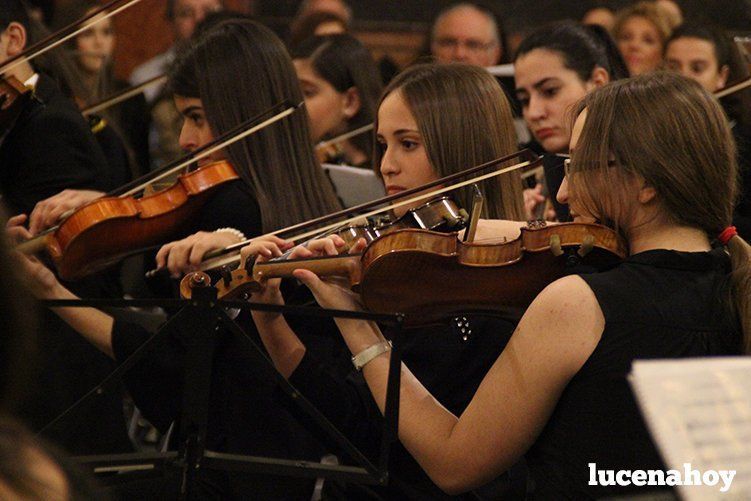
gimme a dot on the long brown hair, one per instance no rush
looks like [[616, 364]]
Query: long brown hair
[[465, 120], [672, 133], [238, 68]]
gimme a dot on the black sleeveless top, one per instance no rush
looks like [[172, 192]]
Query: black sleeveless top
[[656, 304]]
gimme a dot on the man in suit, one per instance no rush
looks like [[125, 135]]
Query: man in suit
[[49, 147]]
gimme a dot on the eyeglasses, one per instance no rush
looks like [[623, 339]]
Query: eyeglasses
[[476, 46]]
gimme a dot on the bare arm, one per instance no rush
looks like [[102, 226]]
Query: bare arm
[[553, 340]]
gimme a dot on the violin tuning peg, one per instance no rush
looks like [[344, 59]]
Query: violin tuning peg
[[555, 245], [588, 242], [226, 275]]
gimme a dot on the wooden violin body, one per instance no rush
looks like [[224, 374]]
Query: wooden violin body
[[428, 275], [104, 231]]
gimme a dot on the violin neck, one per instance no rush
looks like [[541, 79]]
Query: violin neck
[[345, 266]]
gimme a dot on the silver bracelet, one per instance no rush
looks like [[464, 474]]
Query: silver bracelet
[[365, 356], [232, 231]]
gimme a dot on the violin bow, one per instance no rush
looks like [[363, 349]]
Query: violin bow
[[218, 258], [64, 34], [213, 149], [345, 136], [123, 95], [732, 89]]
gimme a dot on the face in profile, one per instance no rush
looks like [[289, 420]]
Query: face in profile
[[640, 44], [547, 90], [466, 35], [695, 58], [328, 109], [195, 131], [404, 159]]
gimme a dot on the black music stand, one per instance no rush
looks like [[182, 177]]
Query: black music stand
[[201, 318]]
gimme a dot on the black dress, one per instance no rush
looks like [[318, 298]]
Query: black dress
[[656, 304], [450, 360]]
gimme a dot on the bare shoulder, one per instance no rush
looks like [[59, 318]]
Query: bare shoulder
[[565, 318]]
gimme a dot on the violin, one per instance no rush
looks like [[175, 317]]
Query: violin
[[428, 275], [105, 230], [438, 215]]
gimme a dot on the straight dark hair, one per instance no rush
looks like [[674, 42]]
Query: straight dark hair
[[738, 104], [582, 48], [344, 62], [239, 68]]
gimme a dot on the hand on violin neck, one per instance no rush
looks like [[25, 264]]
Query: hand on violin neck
[[48, 212], [332, 245], [331, 292], [183, 256], [38, 279], [261, 250], [266, 246]]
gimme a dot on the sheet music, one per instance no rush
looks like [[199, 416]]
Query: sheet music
[[699, 412]]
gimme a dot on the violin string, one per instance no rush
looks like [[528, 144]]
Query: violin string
[[234, 259], [88, 22]]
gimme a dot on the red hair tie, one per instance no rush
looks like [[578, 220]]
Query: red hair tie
[[727, 234]]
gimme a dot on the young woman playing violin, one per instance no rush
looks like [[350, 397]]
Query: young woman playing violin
[[555, 67], [423, 132], [341, 85], [281, 184], [558, 393]]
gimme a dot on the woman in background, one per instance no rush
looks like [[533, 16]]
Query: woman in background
[[708, 55], [554, 68], [341, 85], [641, 31]]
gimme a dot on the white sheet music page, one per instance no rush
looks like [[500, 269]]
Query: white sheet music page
[[699, 414]]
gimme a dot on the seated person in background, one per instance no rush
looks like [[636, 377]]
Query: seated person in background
[[708, 55], [126, 125], [467, 32], [184, 16], [317, 24], [641, 31], [601, 16], [341, 85]]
